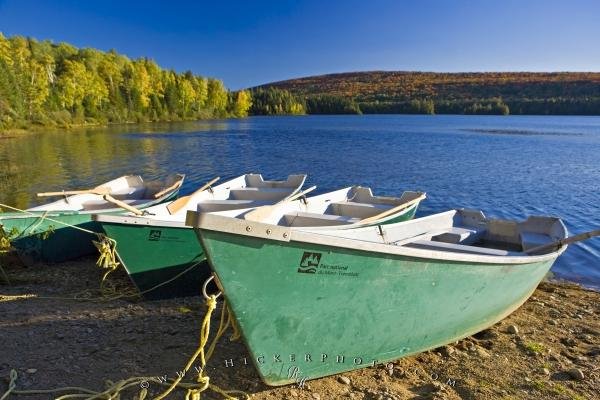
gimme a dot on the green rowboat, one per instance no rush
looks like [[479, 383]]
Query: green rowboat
[[164, 259], [45, 233], [161, 254], [316, 303]]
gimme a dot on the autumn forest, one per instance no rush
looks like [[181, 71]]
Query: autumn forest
[[42, 83], [55, 84]]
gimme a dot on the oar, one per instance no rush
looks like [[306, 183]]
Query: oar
[[182, 201], [122, 204], [297, 195], [170, 188], [261, 213], [562, 242], [99, 191], [393, 210]]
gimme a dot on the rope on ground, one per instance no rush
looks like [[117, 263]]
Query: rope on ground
[[108, 293], [106, 261], [203, 379], [193, 390], [8, 297], [106, 247]]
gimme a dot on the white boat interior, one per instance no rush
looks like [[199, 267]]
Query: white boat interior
[[130, 189], [245, 191], [347, 206], [464, 231], [456, 235], [249, 190]]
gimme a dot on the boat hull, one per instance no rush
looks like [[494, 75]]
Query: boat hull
[[308, 310], [40, 240], [162, 261], [155, 254], [38, 237]]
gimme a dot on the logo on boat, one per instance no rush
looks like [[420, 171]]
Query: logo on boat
[[309, 262], [154, 235]]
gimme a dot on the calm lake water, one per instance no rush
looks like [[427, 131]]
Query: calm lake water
[[509, 167]]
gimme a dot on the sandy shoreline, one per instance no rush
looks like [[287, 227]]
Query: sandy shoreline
[[548, 349]]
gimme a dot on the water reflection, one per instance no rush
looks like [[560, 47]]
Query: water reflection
[[454, 158]]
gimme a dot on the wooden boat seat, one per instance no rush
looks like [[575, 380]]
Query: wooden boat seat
[[316, 219], [250, 193], [460, 235], [357, 210], [459, 248], [530, 240], [224, 205]]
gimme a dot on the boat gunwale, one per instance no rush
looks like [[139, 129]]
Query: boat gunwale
[[27, 213], [275, 233], [60, 213], [127, 219], [137, 220], [157, 220]]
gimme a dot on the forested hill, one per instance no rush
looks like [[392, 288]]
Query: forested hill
[[575, 93], [46, 83]]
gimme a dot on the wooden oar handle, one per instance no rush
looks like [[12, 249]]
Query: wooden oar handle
[[260, 214], [122, 204], [298, 195], [170, 188], [569, 240], [182, 201], [206, 185], [99, 191], [394, 209]]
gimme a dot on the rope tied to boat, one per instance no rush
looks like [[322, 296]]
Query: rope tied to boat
[[226, 321], [106, 246], [193, 390]]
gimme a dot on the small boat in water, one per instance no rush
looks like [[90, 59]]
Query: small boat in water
[[316, 303], [45, 233], [161, 254]]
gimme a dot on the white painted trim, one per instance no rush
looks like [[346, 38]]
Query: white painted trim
[[278, 233], [141, 220]]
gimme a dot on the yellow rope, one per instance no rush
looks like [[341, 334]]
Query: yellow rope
[[225, 322], [7, 297], [106, 246], [41, 218], [107, 260], [193, 390], [49, 219]]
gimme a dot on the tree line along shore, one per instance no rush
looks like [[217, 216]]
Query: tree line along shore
[[49, 84]]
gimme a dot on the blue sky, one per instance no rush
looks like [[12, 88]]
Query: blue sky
[[246, 43]]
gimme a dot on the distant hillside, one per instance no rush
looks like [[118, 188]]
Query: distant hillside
[[461, 93]]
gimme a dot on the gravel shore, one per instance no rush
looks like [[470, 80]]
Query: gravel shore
[[548, 349]]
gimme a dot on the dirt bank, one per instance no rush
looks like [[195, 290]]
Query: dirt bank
[[548, 349]]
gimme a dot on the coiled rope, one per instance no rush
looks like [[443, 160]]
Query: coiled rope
[[106, 246], [107, 261]]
